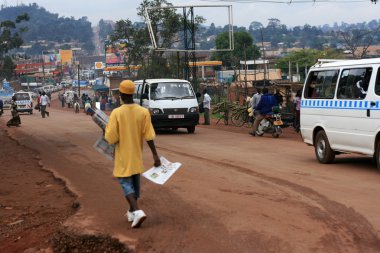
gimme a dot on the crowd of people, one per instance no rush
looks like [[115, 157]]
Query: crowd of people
[[262, 103]]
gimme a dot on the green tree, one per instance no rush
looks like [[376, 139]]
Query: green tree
[[243, 49], [138, 41], [47, 26], [10, 38], [6, 68], [305, 59]]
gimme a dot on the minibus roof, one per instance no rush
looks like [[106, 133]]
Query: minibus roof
[[323, 63], [162, 80]]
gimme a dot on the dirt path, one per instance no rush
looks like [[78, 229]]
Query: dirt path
[[33, 203], [233, 193]]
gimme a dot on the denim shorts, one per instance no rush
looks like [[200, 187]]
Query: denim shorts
[[130, 184]]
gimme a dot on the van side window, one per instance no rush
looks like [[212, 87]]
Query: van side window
[[321, 84], [377, 84], [137, 91], [353, 83]]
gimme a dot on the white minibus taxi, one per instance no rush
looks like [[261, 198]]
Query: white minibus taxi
[[172, 102], [24, 102], [340, 108]]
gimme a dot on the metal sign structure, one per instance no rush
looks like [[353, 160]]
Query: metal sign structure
[[189, 37], [188, 18]]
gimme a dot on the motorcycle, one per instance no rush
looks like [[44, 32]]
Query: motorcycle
[[76, 107], [271, 123]]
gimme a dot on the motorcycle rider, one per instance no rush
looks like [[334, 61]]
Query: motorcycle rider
[[265, 107]]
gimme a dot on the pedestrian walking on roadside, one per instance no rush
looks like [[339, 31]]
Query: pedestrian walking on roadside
[[39, 101], [62, 99], [45, 101], [206, 107], [15, 120], [129, 125], [256, 99]]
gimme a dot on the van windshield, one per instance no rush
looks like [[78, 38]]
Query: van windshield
[[175, 90], [22, 96]]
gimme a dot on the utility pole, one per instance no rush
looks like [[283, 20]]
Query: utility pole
[[265, 66], [245, 73], [43, 69], [78, 80]]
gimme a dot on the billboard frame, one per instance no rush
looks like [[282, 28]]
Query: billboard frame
[[230, 28]]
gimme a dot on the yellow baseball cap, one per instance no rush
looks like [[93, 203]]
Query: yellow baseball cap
[[127, 87]]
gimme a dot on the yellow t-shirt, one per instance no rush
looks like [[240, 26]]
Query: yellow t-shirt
[[128, 126]]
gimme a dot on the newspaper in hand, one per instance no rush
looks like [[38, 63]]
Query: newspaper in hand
[[101, 145], [104, 148], [161, 174], [100, 118]]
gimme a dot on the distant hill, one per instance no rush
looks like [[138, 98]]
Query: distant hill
[[50, 29]]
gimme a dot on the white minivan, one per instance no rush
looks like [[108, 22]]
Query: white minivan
[[24, 102], [172, 102], [340, 108]]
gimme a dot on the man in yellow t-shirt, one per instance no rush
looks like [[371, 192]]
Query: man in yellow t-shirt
[[129, 125]]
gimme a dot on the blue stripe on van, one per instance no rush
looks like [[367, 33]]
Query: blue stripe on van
[[334, 104]]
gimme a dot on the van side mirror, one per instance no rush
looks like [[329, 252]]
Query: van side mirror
[[144, 96]]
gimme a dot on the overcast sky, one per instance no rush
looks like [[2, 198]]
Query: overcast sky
[[243, 13]]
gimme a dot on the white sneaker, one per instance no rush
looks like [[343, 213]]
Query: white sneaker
[[138, 218], [129, 215]]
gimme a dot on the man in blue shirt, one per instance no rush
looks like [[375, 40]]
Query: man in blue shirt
[[265, 107]]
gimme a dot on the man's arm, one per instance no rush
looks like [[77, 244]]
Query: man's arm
[[111, 133], [254, 101], [152, 147]]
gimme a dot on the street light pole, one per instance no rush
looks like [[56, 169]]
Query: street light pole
[[43, 68], [78, 80], [76, 60]]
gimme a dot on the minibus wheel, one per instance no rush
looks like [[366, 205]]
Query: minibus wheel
[[323, 151], [191, 129]]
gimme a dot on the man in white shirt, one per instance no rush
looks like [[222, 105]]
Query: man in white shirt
[[256, 99], [44, 102], [206, 107]]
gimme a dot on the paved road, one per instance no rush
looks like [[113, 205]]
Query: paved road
[[233, 193]]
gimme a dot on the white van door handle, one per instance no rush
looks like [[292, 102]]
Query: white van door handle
[[372, 104]]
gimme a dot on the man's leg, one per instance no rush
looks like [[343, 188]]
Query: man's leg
[[207, 116], [256, 123], [132, 201], [43, 110], [131, 188]]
